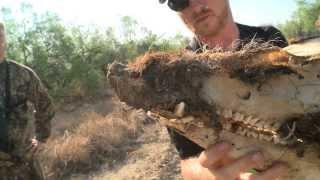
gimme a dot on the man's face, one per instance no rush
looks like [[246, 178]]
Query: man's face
[[206, 17]]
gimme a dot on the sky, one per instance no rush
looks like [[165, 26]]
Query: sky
[[152, 15]]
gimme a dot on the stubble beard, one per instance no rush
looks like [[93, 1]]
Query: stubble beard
[[221, 21]]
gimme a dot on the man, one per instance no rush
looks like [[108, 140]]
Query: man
[[212, 23], [20, 87]]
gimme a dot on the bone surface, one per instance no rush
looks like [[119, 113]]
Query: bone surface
[[264, 98]]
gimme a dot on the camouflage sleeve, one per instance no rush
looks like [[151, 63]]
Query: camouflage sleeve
[[42, 102]]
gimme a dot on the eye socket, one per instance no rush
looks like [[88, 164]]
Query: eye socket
[[178, 5]]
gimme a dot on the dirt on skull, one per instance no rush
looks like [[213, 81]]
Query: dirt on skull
[[268, 96]]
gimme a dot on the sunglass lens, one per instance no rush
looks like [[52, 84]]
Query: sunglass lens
[[178, 5]]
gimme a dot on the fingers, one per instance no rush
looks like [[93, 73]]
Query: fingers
[[33, 146], [214, 154], [243, 164], [272, 173], [218, 162], [34, 143]]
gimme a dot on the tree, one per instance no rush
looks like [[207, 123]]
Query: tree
[[70, 59], [302, 23]]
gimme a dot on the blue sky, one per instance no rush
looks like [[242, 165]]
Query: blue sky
[[151, 14]]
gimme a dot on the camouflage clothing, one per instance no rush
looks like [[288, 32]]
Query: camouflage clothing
[[25, 89]]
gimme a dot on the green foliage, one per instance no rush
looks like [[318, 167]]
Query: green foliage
[[70, 59], [303, 20]]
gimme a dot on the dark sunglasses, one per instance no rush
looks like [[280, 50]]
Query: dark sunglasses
[[176, 5]]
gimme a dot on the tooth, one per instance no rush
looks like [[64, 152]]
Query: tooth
[[179, 109], [254, 121], [276, 139], [219, 111], [241, 117], [266, 137], [260, 136], [242, 131], [238, 117], [227, 113], [248, 120], [200, 124], [227, 126], [245, 132], [252, 134], [249, 126], [187, 119], [269, 138], [239, 130]]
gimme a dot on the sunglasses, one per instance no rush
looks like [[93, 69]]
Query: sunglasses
[[176, 5]]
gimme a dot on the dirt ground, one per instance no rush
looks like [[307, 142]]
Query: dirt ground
[[150, 157], [155, 159]]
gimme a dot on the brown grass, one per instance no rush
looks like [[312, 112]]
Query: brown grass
[[98, 139]]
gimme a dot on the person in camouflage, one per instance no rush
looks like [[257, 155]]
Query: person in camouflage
[[20, 133]]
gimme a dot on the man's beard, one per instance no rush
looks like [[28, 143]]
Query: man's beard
[[219, 25]]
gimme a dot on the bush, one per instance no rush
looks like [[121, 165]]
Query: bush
[[96, 140]]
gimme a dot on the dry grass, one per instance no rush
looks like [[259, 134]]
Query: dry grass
[[98, 139]]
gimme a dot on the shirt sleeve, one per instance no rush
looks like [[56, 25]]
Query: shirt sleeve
[[39, 96]]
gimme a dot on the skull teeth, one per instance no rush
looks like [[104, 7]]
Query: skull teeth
[[180, 109], [265, 137], [219, 112], [248, 120], [241, 131], [227, 113], [252, 134], [187, 119], [238, 117], [255, 120], [227, 126], [253, 126]]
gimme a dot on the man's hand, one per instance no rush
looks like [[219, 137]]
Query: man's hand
[[216, 163], [35, 146]]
